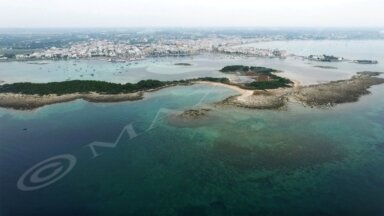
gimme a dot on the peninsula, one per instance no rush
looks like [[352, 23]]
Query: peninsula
[[261, 77], [27, 96], [263, 90], [320, 95]]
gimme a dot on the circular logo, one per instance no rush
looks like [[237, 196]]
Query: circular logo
[[46, 172]]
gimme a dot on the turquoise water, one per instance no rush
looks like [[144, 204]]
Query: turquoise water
[[294, 161]]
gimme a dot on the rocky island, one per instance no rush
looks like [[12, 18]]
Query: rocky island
[[264, 90], [183, 64], [325, 67], [194, 113], [336, 92], [27, 96], [320, 95], [261, 77]]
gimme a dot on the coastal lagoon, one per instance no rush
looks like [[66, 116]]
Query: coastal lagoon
[[208, 65], [293, 161]]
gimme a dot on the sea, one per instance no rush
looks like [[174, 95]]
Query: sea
[[134, 158]]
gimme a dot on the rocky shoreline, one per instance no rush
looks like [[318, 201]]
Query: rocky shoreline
[[259, 100], [30, 102], [193, 117], [337, 92], [320, 95], [325, 67], [194, 113]]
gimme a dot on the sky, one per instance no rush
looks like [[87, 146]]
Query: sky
[[191, 13]]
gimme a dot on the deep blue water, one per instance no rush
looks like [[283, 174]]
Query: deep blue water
[[296, 161]]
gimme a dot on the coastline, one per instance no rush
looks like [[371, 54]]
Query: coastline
[[30, 102], [320, 95], [19, 101], [338, 92], [246, 98], [257, 99]]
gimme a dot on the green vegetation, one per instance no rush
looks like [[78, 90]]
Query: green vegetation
[[264, 77], [276, 82], [246, 70], [80, 86], [212, 79], [87, 86], [101, 87]]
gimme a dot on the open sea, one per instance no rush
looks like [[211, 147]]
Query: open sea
[[134, 158]]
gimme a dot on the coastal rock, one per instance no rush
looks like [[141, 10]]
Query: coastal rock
[[369, 73], [273, 99], [183, 64], [30, 102], [320, 95], [325, 67], [194, 113], [191, 118], [337, 92]]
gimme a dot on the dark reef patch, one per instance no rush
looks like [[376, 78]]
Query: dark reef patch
[[282, 155]]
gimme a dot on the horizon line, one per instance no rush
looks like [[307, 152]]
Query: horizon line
[[191, 27]]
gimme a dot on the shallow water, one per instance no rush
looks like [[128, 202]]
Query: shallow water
[[207, 65], [294, 161]]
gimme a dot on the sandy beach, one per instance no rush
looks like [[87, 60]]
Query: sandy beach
[[325, 94], [320, 95], [256, 99]]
